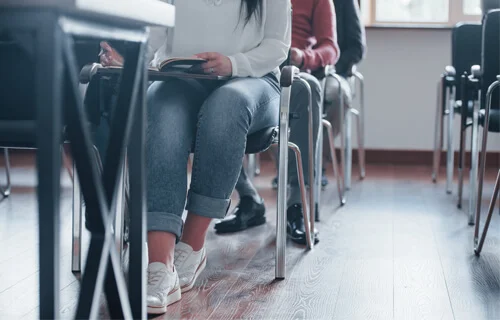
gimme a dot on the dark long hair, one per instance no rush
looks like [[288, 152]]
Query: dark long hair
[[253, 7]]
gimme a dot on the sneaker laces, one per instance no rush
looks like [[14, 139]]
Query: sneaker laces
[[154, 277], [180, 257]]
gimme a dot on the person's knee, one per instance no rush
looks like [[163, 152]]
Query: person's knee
[[332, 90], [169, 115], [226, 112]]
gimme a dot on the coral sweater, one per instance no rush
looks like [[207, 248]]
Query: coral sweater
[[314, 32]]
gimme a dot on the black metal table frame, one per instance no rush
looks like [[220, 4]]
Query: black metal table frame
[[55, 69]]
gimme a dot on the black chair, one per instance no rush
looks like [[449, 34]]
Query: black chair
[[17, 115], [465, 52], [480, 87]]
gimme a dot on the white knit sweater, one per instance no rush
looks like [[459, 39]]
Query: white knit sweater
[[254, 49]]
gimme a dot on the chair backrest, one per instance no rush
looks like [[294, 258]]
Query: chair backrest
[[17, 84], [16, 64], [487, 5], [465, 48], [490, 57]]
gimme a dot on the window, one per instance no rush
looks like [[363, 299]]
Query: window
[[472, 7], [420, 12]]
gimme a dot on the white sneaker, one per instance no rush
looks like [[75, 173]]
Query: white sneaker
[[163, 288], [189, 263]]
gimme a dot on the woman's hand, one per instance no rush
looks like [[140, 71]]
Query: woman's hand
[[217, 64], [297, 57], [109, 56]]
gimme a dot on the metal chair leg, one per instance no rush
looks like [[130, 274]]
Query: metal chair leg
[[461, 154], [251, 166], [449, 141], [257, 164], [76, 252], [319, 167], [280, 262], [338, 176], [474, 162], [5, 192], [348, 150], [67, 162], [361, 125], [306, 207], [478, 245], [190, 160], [438, 130], [120, 210], [343, 131], [461, 169]]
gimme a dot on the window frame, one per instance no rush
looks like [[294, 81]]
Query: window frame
[[455, 15]]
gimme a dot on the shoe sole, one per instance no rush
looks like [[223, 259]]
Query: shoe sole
[[260, 221], [300, 240], [173, 297], [201, 267]]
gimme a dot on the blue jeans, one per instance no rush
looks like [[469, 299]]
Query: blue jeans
[[212, 119], [299, 134]]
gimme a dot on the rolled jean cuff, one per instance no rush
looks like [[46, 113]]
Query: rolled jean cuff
[[206, 206], [166, 222]]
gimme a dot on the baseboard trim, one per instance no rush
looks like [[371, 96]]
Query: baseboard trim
[[410, 157], [395, 157]]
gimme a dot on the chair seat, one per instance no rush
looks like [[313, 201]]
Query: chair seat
[[20, 134], [494, 125], [17, 133], [261, 140]]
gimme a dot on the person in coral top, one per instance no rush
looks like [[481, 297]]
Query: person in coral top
[[314, 46]]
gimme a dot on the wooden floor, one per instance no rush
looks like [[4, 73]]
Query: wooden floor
[[399, 249]]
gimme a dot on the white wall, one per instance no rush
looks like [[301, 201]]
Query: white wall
[[401, 70]]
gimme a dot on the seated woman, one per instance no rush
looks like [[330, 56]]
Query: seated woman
[[246, 40], [314, 45]]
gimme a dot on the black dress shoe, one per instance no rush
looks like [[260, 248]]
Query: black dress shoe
[[247, 214], [295, 226]]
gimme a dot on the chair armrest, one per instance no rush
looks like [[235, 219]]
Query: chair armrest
[[449, 75], [472, 83], [450, 71], [476, 72], [88, 72], [91, 70], [288, 74]]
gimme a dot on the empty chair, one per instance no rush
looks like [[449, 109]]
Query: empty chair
[[481, 87], [465, 52]]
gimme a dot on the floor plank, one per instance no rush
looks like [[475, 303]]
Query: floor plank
[[366, 291], [399, 249]]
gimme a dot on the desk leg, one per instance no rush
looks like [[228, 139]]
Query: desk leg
[[48, 97], [137, 208]]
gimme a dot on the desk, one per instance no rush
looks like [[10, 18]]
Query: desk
[[52, 24]]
